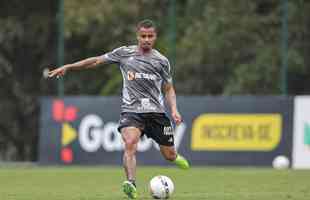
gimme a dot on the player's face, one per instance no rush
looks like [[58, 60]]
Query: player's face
[[146, 38]]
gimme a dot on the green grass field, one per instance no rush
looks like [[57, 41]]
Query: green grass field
[[103, 183]]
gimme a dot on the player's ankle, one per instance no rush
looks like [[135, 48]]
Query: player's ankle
[[133, 182], [178, 156]]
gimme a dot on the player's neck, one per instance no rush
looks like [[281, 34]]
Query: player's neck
[[145, 51]]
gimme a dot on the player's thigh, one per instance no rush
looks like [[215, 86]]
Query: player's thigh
[[130, 135]]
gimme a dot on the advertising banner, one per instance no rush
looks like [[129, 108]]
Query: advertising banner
[[83, 130], [236, 132], [301, 144], [243, 130]]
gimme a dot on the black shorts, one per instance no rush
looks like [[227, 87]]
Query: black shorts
[[154, 125]]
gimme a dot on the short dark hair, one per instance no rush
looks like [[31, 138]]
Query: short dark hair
[[146, 23]]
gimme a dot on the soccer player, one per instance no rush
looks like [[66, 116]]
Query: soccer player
[[146, 76]]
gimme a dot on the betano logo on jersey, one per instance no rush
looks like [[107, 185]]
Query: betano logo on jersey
[[137, 75], [236, 132]]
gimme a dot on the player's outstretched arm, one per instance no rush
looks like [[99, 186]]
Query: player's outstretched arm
[[83, 64], [172, 102]]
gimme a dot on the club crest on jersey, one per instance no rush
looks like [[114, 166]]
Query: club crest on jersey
[[137, 75]]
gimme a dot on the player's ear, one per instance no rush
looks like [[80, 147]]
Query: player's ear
[[137, 35]]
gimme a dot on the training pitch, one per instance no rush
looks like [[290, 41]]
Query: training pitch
[[104, 183]]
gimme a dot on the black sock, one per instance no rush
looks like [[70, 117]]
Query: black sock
[[133, 182]]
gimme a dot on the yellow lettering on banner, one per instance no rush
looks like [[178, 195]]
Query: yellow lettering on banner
[[236, 132]]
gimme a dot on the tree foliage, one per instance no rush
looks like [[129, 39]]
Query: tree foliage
[[235, 48], [26, 40], [223, 47]]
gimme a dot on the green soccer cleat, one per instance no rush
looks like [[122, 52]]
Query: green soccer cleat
[[130, 190], [181, 162]]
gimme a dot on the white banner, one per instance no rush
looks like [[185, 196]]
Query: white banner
[[301, 142]]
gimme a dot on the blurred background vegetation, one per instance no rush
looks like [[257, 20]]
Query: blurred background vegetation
[[217, 47]]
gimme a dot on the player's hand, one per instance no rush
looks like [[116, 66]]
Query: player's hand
[[58, 72], [176, 117]]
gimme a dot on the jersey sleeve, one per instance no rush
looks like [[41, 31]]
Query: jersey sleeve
[[114, 56], [166, 73]]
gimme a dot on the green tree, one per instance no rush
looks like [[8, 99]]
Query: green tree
[[233, 47], [26, 42]]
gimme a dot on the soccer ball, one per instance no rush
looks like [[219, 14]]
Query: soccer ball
[[161, 187], [280, 162]]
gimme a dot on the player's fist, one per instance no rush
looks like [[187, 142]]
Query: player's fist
[[57, 72], [176, 117]]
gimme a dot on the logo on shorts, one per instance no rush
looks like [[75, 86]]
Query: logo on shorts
[[168, 130], [123, 120]]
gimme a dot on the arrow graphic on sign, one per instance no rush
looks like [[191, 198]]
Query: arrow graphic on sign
[[68, 134]]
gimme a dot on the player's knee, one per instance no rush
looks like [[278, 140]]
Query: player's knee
[[130, 138], [130, 144]]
